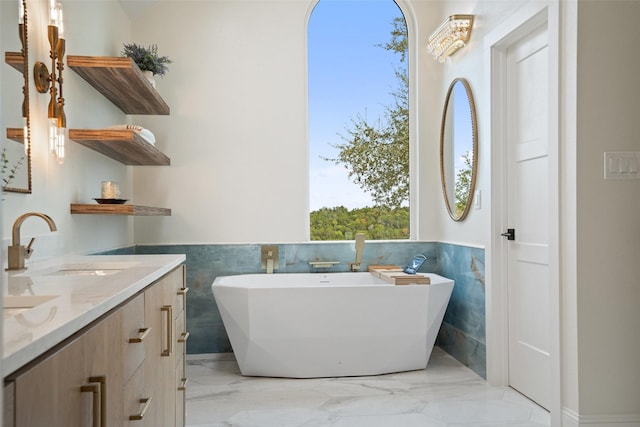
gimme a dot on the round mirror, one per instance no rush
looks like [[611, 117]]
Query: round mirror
[[15, 150], [458, 149]]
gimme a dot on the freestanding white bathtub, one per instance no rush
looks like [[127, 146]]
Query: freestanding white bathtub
[[329, 325]]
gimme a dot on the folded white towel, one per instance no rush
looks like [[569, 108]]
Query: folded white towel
[[146, 134]]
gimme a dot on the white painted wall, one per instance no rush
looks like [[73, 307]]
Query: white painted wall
[[237, 137], [90, 31], [237, 131], [608, 227]]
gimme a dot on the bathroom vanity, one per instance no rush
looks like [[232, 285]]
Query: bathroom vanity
[[95, 340]]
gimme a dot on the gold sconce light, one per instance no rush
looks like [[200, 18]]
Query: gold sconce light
[[450, 36], [52, 82]]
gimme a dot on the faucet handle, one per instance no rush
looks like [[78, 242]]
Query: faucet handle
[[28, 250]]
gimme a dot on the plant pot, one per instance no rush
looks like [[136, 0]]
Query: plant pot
[[149, 76]]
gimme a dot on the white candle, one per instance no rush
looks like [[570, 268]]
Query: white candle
[[110, 190]]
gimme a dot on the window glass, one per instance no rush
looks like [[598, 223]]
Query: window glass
[[358, 120]]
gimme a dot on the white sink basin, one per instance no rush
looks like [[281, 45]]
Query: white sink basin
[[85, 272], [106, 268]]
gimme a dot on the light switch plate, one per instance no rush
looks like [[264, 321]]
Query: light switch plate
[[477, 202], [622, 165]]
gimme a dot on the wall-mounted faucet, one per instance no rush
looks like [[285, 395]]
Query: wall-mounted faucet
[[18, 253], [269, 258], [355, 266]]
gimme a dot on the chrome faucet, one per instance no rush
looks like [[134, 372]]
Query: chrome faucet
[[18, 253], [355, 266]]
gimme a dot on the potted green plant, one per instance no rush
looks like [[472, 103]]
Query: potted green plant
[[147, 59]]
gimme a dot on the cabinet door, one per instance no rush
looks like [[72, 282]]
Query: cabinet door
[[49, 394], [77, 385], [8, 404], [160, 351], [163, 313], [102, 364]]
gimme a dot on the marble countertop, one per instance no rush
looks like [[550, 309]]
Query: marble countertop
[[70, 292]]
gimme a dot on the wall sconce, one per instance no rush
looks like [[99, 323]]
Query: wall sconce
[[450, 36], [46, 81]]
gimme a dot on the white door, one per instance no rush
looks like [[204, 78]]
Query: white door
[[527, 260]]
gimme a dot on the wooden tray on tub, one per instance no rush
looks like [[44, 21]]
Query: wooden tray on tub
[[393, 274]]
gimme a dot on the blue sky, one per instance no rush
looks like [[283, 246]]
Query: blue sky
[[348, 75]]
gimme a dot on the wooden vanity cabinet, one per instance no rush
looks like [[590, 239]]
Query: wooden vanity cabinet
[[121, 370]]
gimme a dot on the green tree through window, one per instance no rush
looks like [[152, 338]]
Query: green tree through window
[[374, 153]]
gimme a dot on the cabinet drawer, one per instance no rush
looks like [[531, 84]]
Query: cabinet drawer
[[181, 387], [139, 408], [8, 405], [173, 290], [181, 336], [177, 290], [134, 332]]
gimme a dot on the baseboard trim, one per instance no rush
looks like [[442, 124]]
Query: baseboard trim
[[572, 419], [211, 357]]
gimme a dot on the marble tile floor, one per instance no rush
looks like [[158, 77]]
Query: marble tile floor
[[446, 393]]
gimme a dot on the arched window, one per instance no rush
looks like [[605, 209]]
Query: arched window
[[358, 120]]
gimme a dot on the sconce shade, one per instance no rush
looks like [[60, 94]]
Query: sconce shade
[[20, 12], [450, 36], [51, 81]]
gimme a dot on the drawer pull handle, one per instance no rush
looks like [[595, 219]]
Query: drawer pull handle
[[183, 292], [183, 384], [95, 389], [183, 337], [169, 310], [98, 386], [145, 402], [143, 332]]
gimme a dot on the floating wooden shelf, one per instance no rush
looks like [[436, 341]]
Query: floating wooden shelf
[[123, 145], [16, 60], [121, 81], [16, 134], [107, 209]]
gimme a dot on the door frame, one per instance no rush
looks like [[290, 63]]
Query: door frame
[[496, 42]]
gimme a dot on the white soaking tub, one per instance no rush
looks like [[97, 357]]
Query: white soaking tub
[[329, 325]]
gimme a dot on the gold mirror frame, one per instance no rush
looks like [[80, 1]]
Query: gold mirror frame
[[458, 181], [20, 62]]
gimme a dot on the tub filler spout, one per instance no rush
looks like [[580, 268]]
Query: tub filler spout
[[269, 258], [355, 266]]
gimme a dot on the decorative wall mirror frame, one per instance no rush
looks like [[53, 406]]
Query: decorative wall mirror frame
[[458, 149], [16, 145]]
